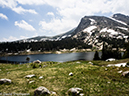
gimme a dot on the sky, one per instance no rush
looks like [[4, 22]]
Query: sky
[[22, 19]]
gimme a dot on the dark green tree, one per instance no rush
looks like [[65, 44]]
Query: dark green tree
[[126, 53], [96, 56]]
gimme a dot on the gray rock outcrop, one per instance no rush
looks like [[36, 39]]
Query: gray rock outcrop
[[75, 91], [37, 61], [5, 81], [41, 91], [125, 74], [30, 76]]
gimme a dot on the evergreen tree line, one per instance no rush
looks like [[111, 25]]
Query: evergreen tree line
[[42, 46], [108, 52]]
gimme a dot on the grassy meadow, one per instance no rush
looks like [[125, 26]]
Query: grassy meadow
[[95, 80]]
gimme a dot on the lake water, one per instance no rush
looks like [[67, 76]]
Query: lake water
[[52, 57]]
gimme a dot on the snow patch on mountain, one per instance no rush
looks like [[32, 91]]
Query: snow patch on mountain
[[92, 21], [89, 29], [126, 37], [64, 36], [119, 21], [111, 31], [123, 28]]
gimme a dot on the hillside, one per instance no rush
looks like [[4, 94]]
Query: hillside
[[94, 79]]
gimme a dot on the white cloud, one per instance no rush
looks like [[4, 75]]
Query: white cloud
[[72, 11], [31, 2], [21, 10], [13, 4], [3, 16], [57, 26], [89, 7], [24, 25], [8, 3], [50, 14]]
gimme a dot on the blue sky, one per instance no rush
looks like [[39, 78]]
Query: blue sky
[[21, 19]]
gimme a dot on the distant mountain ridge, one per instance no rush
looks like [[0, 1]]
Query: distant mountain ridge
[[94, 30], [48, 38]]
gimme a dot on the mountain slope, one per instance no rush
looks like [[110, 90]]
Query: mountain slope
[[121, 17], [94, 30]]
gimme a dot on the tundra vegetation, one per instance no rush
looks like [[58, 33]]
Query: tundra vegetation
[[94, 79]]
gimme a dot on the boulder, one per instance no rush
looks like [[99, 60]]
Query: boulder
[[37, 61], [125, 74], [31, 82], [111, 59], [53, 93], [70, 74], [75, 91], [30, 76], [41, 91], [90, 63], [5, 81], [40, 77], [120, 71], [78, 62]]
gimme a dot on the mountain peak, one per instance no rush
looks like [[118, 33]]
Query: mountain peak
[[94, 30], [121, 17]]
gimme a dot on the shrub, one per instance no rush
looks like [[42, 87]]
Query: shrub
[[34, 65]]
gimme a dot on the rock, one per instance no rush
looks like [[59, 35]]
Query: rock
[[5, 81], [78, 62], [70, 74], [90, 63], [111, 59], [53, 93], [125, 74], [120, 71], [82, 94], [41, 91], [37, 61], [31, 82], [106, 69], [75, 92], [40, 77], [30, 76]]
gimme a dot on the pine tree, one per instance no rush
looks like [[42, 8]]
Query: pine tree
[[96, 56]]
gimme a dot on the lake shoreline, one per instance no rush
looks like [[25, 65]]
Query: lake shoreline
[[45, 52]]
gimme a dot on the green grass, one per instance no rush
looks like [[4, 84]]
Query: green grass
[[93, 79]]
